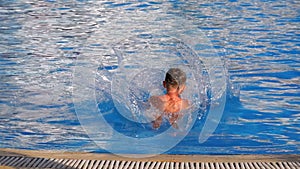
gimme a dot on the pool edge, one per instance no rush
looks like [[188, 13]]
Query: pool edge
[[160, 158]]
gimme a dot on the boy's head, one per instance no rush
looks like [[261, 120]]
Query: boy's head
[[175, 78]]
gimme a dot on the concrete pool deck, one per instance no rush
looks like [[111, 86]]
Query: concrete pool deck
[[15, 158]]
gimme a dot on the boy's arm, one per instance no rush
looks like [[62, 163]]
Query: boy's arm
[[157, 122], [156, 102], [185, 104], [143, 105]]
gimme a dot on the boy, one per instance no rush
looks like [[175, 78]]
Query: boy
[[171, 103]]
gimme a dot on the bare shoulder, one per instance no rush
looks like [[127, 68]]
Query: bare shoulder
[[185, 103], [156, 101]]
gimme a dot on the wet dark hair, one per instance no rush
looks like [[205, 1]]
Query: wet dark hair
[[175, 77]]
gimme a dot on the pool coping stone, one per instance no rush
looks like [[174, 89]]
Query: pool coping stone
[[164, 157]]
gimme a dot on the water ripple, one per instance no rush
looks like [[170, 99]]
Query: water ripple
[[40, 41]]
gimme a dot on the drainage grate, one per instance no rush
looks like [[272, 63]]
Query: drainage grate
[[31, 162]]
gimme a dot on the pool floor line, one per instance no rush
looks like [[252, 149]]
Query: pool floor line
[[16, 158]]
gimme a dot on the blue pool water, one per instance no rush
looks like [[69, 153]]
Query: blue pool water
[[43, 43]]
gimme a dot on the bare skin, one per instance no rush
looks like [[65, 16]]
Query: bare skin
[[169, 104]]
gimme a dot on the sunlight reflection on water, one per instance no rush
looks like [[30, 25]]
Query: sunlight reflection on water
[[41, 40]]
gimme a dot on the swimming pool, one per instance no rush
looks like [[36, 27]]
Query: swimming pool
[[42, 42]]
